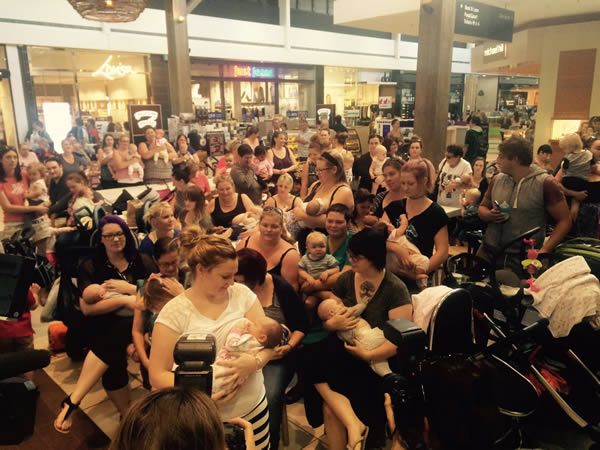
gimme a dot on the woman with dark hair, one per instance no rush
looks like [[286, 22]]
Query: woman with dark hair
[[331, 188], [339, 145], [156, 171], [251, 137], [182, 149], [13, 185], [281, 303], [479, 179], [195, 209], [392, 144], [118, 266], [341, 370], [283, 159], [363, 201], [181, 177], [104, 156], [395, 131]]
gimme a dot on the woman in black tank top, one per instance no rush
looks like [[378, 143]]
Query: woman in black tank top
[[228, 204]]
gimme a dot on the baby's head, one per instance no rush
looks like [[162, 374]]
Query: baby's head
[[94, 293], [266, 331], [155, 295], [36, 171], [571, 143], [260, 153], [228, 160], [380, 153], [466, 181], [327, 309], [160, 133], [316, 245], [313, 208], [245, 219], [472, 196]]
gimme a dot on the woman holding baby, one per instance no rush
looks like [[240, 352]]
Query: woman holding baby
[[214, 304], [331, 188], [117, 266], [157, 155], [348, 409]]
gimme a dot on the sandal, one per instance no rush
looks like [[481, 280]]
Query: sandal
[[362, 441], [72, 407]]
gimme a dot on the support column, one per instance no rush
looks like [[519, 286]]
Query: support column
[[434, 65], [285, 21], [180, 77]]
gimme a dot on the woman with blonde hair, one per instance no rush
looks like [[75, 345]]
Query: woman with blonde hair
[[228, 204], [283, 199], [331, 188], [274, 243], [164, 224], [212, 305]]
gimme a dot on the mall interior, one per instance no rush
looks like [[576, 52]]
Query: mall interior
[[457, 145]]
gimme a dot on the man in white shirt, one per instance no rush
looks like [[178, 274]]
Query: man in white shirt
[[451, 169], [303, 139]]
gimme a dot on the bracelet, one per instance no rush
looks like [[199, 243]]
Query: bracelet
[[258, 363]]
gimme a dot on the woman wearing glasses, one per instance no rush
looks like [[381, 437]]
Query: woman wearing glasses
[[348, 408], [274, 244], [331, 188], [118, 266]]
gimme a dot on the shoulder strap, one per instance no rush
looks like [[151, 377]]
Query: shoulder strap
[[275, 200], [293, 202], [285, 253], [334, 192]]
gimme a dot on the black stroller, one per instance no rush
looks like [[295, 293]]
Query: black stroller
[[503, 313]]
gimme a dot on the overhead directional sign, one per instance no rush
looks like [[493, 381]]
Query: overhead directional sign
[[484, 21]]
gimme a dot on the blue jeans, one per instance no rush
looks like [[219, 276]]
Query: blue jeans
[[278, 375]]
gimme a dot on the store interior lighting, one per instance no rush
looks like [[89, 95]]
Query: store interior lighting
[[58, 121]]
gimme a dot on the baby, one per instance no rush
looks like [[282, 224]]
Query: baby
[[97, 292], [376, 169], [133, 158], [371, 338], [313, 208], [469, 217], [420, 262], [248, 220], [226, 170], [38, 191], [246, 337], [316, 265], [161, 141], [577, 166], [94, 174], [263, 165]]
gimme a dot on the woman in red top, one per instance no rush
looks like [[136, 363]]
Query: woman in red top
[[13, 185]]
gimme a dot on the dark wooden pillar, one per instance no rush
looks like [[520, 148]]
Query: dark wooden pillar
[[180, 77], [434, 65]]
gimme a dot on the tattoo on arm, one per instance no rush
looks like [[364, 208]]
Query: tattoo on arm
[[367, 290]]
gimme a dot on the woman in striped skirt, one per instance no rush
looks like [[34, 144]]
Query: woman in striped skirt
[[212, 305]]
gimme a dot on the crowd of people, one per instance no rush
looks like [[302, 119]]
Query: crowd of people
[[257, 259]]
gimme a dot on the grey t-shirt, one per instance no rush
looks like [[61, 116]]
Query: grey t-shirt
[[392, 293], [580, 164], [303, 148]]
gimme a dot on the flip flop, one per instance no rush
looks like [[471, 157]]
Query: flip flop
[[362, 441], [72, 407]]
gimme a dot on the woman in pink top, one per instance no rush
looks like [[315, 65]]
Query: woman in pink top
[[13, 185], [123, 156]]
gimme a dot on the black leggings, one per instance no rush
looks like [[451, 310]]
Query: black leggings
[[109, 337]]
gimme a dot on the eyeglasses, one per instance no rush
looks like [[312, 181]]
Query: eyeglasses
[[111, 236], [273, 208], [323, 170], [353, 255], [167, 264]]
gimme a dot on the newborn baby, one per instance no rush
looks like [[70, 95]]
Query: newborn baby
[[312, 208], [96, 292], [420, 261], [246, 337], [369, 337], [247, 220]]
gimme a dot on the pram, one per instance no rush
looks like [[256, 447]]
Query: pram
[[502, 311]]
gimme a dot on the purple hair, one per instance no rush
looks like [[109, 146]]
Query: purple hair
[[130, 249]]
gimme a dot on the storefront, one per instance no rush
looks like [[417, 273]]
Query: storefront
[[244, 90], [71, 83], [8, 130], [358, 92]]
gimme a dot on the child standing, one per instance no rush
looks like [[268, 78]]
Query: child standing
[[316, 265], [36, 195], [376, 169]]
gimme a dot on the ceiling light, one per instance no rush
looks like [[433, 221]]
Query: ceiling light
[[180, 19], [109, 10]]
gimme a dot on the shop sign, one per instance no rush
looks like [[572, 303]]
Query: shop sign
[[141, 116], [296, 114], [216, 143], [253, 72], [111, 72], [326, 112], [495, 52], [484, 21], [385, 102], [351, 113]]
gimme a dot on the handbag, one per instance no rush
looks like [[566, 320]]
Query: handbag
[[436, 186]]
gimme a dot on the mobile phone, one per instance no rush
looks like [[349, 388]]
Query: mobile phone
[[497, 204]]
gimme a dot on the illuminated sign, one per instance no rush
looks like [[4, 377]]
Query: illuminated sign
[[253, 72], [111, 72], [490, 51]]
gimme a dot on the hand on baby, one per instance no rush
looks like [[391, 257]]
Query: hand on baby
[[324, 276]]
